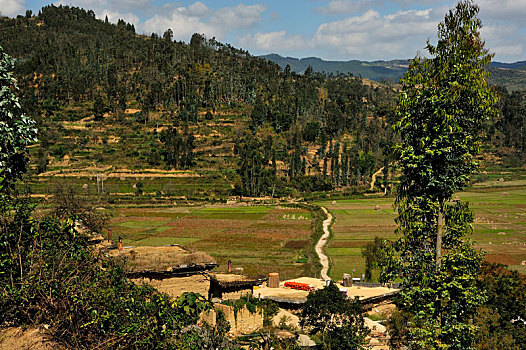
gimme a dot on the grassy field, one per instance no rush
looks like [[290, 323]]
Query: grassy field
[[357, 221], [499, 227], [260, 239], [500, 221]]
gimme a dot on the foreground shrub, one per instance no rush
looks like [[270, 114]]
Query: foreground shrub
[[50, 275]]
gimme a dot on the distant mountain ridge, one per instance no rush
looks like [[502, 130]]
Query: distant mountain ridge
[[511, 75], [378, 70]]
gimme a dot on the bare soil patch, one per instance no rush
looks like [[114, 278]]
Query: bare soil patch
[[27, 339], [501, 259], [176, 286], [162, 258]]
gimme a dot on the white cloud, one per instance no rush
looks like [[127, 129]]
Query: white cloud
[[114, 17], [182, 25], [505, 40], [344, 6], [275, 41], [371, 36], [197, 9], [508, 10], [350, 24], [408, 16], [12, 8], [511, 50], [240, 16], [498, 32]]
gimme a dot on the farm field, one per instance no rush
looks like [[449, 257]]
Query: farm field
[[259, 239], [356, 222], [499, 225]]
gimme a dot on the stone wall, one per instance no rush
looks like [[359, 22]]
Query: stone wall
[[243, 323]]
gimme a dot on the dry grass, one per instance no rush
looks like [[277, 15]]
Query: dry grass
[[161, 258]]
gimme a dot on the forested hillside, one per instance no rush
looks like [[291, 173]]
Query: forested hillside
[[155, 116]]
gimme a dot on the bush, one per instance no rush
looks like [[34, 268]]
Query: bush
[[337, 320], [50, 275]]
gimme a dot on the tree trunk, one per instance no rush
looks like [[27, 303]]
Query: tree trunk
[[439, 238]]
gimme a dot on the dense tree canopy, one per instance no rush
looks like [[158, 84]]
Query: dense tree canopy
[[16, 129], [338, 320]]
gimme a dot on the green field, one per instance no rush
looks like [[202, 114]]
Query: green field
[[499, 227], [260, 239]]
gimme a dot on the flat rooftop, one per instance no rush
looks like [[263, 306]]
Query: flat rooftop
[[160, 258], [233, 281], [293, 296]]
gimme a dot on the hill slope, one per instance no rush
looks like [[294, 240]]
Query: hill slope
[[202, 119], [379, 70], [135, 117]]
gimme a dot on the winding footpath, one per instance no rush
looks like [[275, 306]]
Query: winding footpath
[[373, 179], [321, 245]]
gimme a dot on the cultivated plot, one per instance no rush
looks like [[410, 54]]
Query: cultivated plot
[[259, 239], [499, 226]]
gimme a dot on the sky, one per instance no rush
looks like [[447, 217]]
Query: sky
[[330, 29]]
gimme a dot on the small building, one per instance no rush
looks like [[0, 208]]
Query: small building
[[225, 286]]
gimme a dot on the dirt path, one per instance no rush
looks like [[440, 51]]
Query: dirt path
[[321, 244], [373, 180]]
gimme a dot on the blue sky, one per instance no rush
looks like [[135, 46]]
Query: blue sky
[[330, 29]]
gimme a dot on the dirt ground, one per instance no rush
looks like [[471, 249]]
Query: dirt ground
[[160, 258], [288, 293], [504, 259], [289, 318], [28, 339], [176, 286]]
